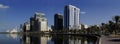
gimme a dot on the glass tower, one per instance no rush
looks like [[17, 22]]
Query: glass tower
[[71, 17]]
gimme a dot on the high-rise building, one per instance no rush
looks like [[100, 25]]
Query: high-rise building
[[41, 21], [58, 22], [26, 27], [38, 22], [71, 17], [32, 21]]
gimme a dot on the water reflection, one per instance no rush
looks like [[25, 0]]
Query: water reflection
[[36, 39], [57, 39], [14, 36]]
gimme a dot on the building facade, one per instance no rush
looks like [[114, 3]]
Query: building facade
[[25, 27], [38, 22], [71, 17], [58, 22]]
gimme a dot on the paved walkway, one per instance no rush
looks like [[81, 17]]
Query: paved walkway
[[110, 40]]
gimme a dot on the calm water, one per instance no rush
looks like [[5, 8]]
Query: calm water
[[46, 39]]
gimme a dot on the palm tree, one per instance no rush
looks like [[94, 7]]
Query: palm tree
[[116, 19], [111, 26], [103, 28]]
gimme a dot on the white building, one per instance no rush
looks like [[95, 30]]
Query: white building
[[79, 27], [27, 26], [41, 21], [14, 30], [71, 17], [49, 28], [85, 26]]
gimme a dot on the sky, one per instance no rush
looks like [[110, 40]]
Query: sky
[[16, 12]]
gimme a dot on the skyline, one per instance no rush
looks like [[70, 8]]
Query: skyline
[[16, 12]]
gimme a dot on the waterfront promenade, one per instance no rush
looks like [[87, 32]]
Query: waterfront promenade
[[112, 39]]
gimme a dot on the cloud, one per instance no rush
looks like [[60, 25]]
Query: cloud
[[83, 12], [3, 6]]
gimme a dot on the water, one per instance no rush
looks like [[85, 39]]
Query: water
[[46, 39]]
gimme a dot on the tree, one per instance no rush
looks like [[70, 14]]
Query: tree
[[111, 26], [93, 29], [103, 28], [116, 19]]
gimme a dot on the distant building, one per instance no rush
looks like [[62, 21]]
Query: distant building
[[49, 28], [79, 27], [52, 27], [14, 30], [85, 26], [58, 22], [32, 24], [26, 27], [38, 22], [82, 26], [71, 17]]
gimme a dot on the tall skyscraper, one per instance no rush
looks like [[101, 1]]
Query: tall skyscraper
[[58, 22], [38, 22], [71, 17]]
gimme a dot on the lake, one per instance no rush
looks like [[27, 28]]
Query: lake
[[46, 39], [56, 39]]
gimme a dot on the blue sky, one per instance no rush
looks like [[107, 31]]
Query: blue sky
[[15, 12]]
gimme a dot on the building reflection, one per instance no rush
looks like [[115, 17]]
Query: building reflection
[[58, 39], [76, 40], [27, 39], [14, 36]]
